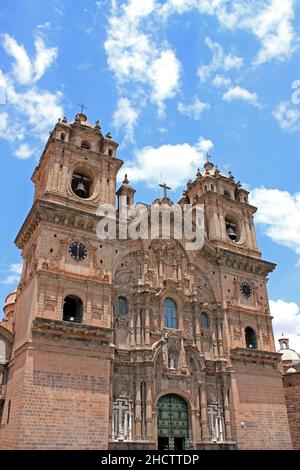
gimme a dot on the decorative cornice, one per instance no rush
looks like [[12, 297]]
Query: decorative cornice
[[244, 263], [58, 214], [249, 355], [41, 325]]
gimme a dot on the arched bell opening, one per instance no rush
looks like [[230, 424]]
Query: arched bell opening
[[250, 338], [81, 185], [73, 309]]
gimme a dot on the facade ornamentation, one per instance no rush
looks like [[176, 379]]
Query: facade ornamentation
[[136, 343]]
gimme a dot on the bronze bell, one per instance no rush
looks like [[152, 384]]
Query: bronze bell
[[231, 233], [80, 190]]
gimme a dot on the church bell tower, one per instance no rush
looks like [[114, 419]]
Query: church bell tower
[[63, 306]]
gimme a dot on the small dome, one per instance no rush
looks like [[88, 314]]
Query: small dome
[[289, 355], [291, 370]]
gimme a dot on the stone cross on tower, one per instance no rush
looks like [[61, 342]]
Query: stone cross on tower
[[165, 188], [208, 157], [82, 107]]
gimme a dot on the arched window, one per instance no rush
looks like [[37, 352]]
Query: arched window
[[122, 305], [204, 321], [62, 136], [85, 145], [73, 309], [110, 152], [250, 338], [170, 313]]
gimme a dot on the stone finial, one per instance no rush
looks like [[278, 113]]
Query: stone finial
[[64, 119], [217, 171], [108, 135], [80, 117], [198, 174], [208, 167], [97, 125], [231, 177], [189, 184], [125, 181]]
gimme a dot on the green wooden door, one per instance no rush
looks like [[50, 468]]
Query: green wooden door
[[172, 423]]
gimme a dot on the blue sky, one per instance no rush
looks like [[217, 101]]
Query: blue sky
[[170, 79]]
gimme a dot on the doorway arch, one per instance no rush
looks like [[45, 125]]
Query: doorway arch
[[172, 423]]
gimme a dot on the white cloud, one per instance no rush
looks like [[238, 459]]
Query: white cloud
[[15, 271], [238, 93], [41, 108], [30, 111], [193, 110], [221, 81], [176, 162], [25, 70], [11, 131], [220, 61], [45, 56], [286, 321], [46, 25], [273, 26], [24, 151], [4, 125], [136, 58], [125, 116], [279, 215], [164, 74], [16, 268], [270, 21], [22, 68], [287, 116]]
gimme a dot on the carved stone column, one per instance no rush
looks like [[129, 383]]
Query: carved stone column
[[203, 414], [179, 271], [138, 330], [227, 418], [132, 335], [149, 410], [147, 326], [220, 338], [138, 414], [223, 226]]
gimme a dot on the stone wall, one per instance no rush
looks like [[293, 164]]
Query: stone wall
[[291, 383]]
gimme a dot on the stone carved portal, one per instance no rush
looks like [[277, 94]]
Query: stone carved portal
[[172, 423]]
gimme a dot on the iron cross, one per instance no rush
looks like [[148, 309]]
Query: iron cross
[[208, 157], [165, 188], [82, 107]]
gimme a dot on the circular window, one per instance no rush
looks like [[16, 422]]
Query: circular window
[[78, 251]]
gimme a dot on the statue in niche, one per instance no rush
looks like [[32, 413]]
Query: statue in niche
[[165, 355], [172, 362], [183, 355]]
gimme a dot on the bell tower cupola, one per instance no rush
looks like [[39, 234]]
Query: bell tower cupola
[[126, 191], [78, 166], [228, 214]]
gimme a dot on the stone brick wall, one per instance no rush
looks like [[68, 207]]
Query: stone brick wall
[[59, 400], [260, 415], [291, 383]]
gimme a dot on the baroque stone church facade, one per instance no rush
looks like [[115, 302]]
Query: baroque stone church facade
[[136, 344]]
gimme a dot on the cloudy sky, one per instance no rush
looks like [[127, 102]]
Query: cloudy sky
[[170, 79]]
